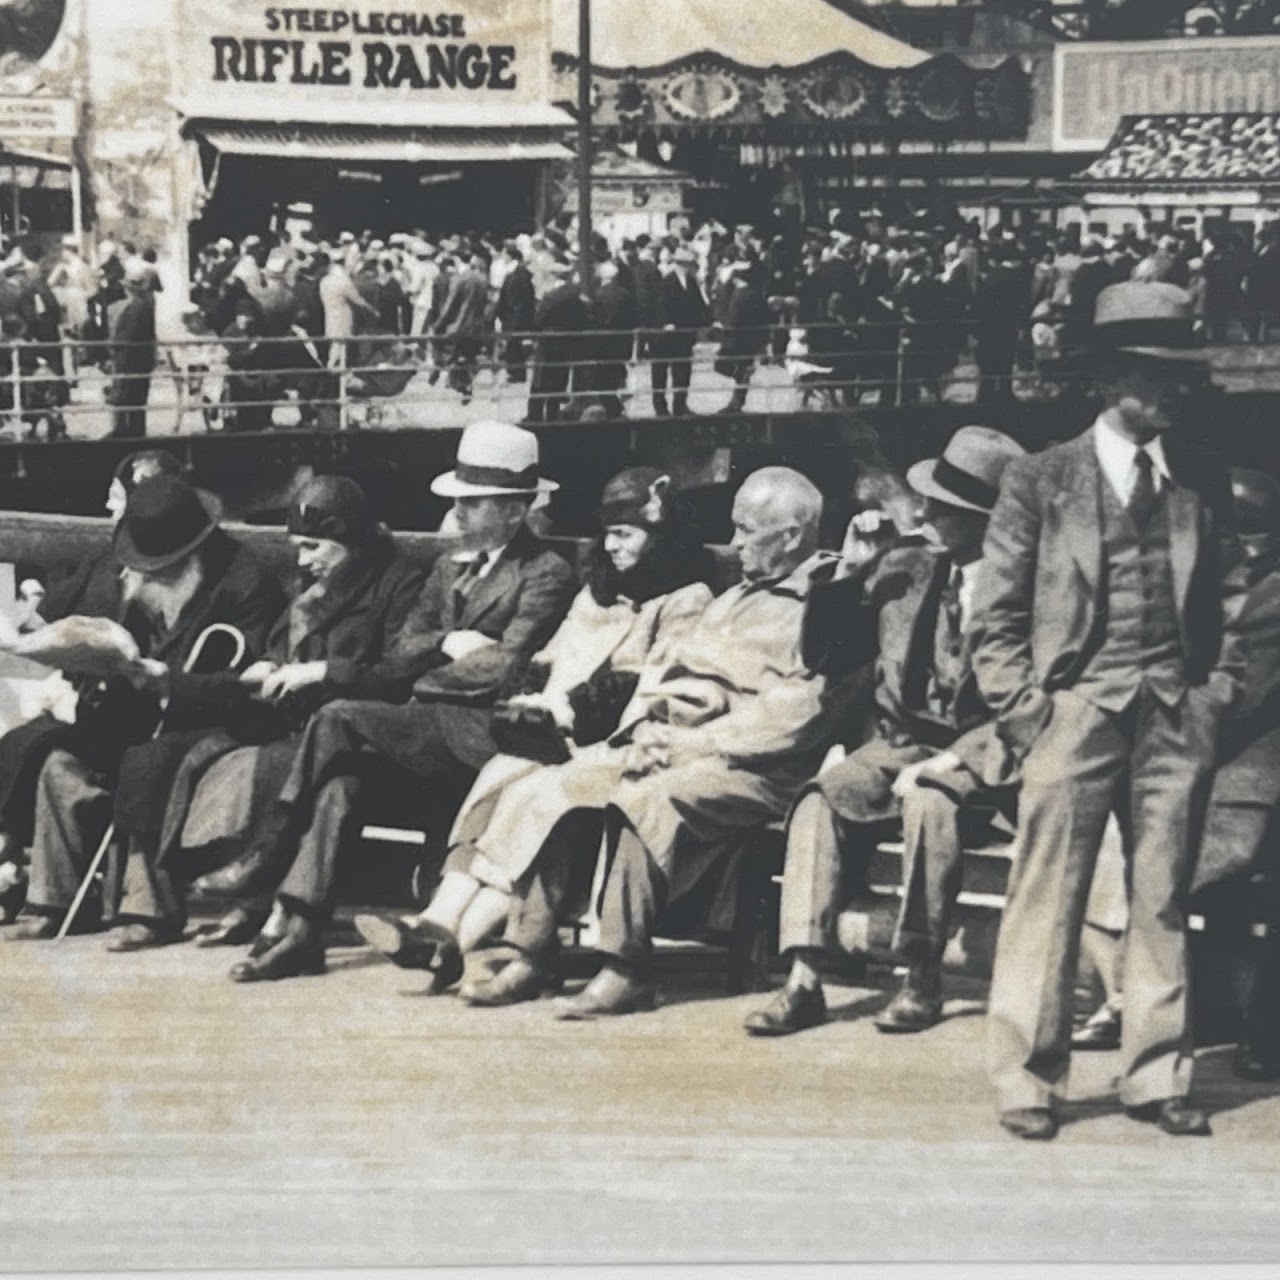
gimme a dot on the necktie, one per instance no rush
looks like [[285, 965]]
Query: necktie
[[1142, 499], [467, 579]]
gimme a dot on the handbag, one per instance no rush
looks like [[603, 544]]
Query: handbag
[[529, 732]]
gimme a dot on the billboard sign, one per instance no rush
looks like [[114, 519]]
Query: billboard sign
[[484, 51], [1096, 85]]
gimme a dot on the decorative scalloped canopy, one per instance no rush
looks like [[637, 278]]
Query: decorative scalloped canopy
[[788, 33]]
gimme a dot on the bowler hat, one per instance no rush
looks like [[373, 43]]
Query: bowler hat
[[968, 473], [1147, 318], [494, 459], [164, 521], [332, 507]]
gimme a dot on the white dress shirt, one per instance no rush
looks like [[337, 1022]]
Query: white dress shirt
[[1117, 456]]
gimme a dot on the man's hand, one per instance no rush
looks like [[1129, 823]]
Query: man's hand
[[257, 672], [462, 644], [149, 675], [910, 776], [292, 677], [561, 711]]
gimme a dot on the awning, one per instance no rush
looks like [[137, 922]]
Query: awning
[[374, 144], [639, 33]]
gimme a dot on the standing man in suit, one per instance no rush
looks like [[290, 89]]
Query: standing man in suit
[[484, 612], [562, 321], [464, 323], [516, 309], [927, 759], [132, 327], [682, 311], [1107, 639]]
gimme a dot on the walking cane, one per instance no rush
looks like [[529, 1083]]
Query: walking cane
[[193, 657]]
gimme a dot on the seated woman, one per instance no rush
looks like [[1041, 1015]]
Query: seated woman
[[355, 591], [646, 579]]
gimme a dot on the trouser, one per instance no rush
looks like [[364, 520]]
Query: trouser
[[548, 392], [515, 354], [1153, 762], [73, 808], [674, 368], [153, 889], [343, 745], [819, 854], [131, 392]]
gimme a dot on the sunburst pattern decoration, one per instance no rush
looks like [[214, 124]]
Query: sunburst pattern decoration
[[835, 95], [774, 98], [700, 94], [898, 97], [632, 101]]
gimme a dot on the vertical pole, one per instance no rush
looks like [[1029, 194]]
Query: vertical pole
[[584, 148]]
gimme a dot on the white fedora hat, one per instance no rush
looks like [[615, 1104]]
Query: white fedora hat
[[494, 458]]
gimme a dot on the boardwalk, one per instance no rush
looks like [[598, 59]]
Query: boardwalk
[[155, 1115]]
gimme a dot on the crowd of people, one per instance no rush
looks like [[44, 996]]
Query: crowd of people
[[861, 307], [1040, 641]]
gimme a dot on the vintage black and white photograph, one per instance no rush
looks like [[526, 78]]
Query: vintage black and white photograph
[[639, 631]]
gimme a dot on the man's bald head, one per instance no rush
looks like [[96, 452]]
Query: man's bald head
[[775, 521]]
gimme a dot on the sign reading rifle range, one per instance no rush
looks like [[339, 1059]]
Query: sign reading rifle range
[[498, 47]]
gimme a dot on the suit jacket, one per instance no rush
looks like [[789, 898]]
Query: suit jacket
[[466, 310], [1039, 608], [680, 304], [518, 604], [516, 303], [133, 335], [1246, 788]]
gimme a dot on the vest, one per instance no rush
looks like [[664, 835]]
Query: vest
[[1140, 642]]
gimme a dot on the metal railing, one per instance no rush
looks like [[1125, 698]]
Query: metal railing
[[251, 383]]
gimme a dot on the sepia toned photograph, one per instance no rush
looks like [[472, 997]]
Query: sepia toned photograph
[[639, 632]]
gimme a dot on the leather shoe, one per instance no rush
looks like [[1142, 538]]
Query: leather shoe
[[1250, 1063], [517, 982], [138, 937], [236, 928], [299, 953], [792, 1009], [13, 897], [1175, 1116], [609, 994], [32, 929], [1100, 1034], [237, 878], [1036, 1124], [913, 1009]]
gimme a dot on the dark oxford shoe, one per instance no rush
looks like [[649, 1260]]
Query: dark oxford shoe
[[792, 1009], [1174, 1116]]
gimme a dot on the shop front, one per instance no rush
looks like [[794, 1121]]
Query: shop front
[[371, 120]]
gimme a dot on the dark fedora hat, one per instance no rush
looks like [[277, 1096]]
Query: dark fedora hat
[[164, 521], [1147, 318]]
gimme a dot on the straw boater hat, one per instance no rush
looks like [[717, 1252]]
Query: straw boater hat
[[968, 473], [1147, 318], [495, 459]]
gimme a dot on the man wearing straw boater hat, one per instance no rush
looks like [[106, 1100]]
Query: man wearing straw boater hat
[[423, 712], [1106, 637], [928, 758]]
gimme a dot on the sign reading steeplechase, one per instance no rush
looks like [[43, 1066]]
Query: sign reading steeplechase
[[480, 47]]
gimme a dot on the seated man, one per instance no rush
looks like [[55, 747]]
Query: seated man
[[182, 574], [91, 589], [483, 613], [928, 758], [721, 732]]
